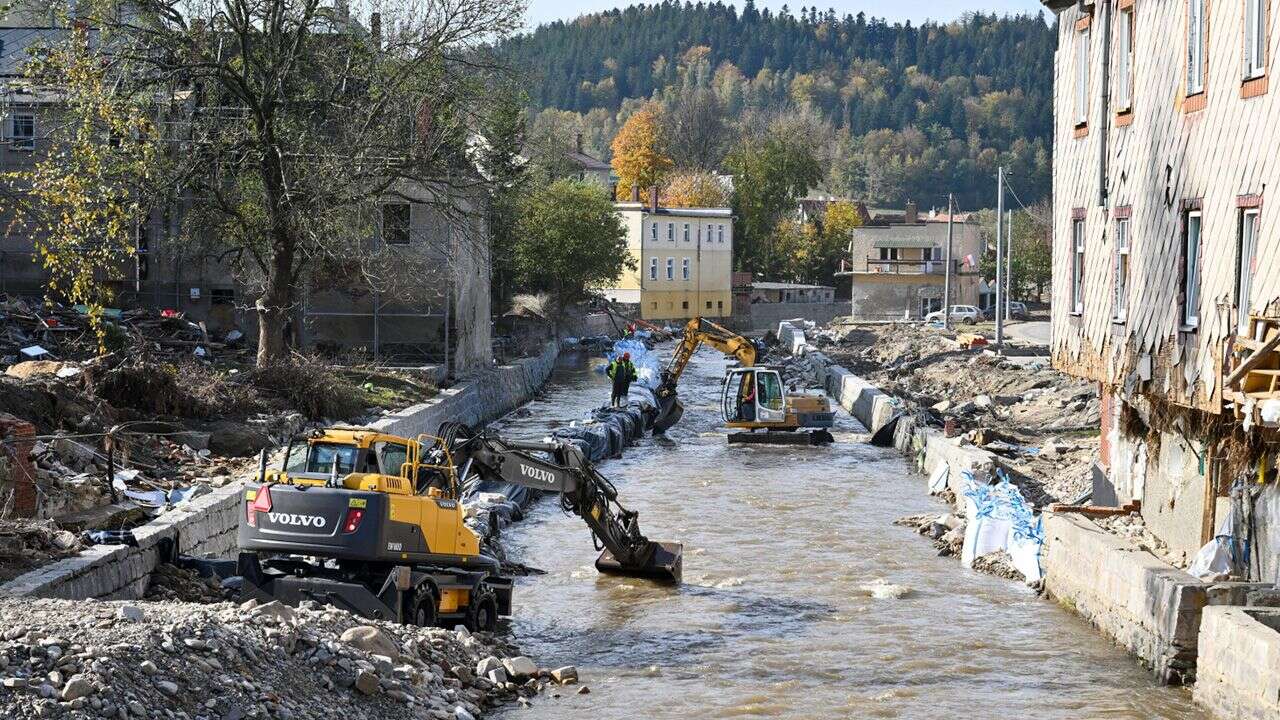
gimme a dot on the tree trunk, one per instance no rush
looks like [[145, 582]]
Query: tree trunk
[[273, 313]]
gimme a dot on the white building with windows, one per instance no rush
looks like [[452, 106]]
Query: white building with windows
[[684, 261], [1167, 252]]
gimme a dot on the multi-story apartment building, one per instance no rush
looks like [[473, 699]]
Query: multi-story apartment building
[[438, 315], [1167, 250], [898, 264], [684, 261]]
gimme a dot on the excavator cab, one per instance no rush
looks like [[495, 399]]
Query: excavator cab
[[753, 396]]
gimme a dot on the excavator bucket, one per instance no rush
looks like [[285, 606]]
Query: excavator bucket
[[663, 562], [670, 410]]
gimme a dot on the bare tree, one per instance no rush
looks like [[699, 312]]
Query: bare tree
[[288, 124]]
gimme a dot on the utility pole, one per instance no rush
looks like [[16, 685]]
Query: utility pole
[[999, 259], [1008, 262], [946, 282]]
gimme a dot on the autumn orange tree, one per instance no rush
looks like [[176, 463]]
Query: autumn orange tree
[[639, 151], [694, 189]]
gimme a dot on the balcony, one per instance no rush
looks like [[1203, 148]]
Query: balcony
[[876, 266]]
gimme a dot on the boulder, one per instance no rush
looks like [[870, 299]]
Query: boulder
[[485, 666], [982, 402], [33, 368], [366, 682], [372, 640], [520, 667], [77, 687], [566, 675]]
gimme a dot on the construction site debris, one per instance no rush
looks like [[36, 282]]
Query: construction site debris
[[81, 660]]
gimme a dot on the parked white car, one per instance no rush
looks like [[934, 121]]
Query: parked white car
[[1018, 311], [959, 313]]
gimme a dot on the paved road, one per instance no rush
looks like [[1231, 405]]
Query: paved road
[[1036, 331]]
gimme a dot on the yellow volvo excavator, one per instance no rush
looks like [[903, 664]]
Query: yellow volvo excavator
[[373, 523], [753, 398]]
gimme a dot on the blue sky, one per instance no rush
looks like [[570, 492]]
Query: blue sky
[[543, 11]]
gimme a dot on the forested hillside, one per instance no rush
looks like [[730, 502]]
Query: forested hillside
[[896, 111]]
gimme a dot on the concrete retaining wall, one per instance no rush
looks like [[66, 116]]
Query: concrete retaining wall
[[764, 316], [208, 524], [1239, 652]]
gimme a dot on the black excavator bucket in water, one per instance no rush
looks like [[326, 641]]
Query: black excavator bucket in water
[[670, 410], [665, 563]]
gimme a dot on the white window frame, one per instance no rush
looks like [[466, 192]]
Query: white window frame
[[686, 232], [1255, 39], [653, 268], [684, 269], [1250, 229], [1120, 303], [671, 232], [1191, 268], [671, 268], [22, 142], [1124, 61], [1077, 266], [1082, 77], [653, 232], [1195, 46], [720, 233]]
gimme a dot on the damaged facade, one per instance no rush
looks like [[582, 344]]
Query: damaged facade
[[898, 265], [432, 308], [1167, 255]]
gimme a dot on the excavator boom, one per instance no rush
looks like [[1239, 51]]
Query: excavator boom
[[697, 332], [559, 466]]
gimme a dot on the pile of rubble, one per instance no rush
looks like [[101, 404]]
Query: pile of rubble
[[27, 544], [167, 660], [947, 533], [1042, 424]]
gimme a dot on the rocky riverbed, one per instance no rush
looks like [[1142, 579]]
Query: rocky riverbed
[[230, 661]]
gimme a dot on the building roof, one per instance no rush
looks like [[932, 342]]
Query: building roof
[[586, 162], [763, 285], [723, 212]]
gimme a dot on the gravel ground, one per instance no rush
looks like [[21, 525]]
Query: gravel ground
[[225, 661]]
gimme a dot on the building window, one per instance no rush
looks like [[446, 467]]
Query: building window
[[686, 232], [395, 223], [720, 233], [24, 131], [1191, 270], [720, 306], [1255, 38], [1195, 46], [1246, 265], [653, 232], [684, 268], [1121, 302], [653, 268], [708, 304], [684, 305], [671, 268], [1124, 61], [1077, 266], [654, 305], [1082, 77], [671, 232], [888, 253]]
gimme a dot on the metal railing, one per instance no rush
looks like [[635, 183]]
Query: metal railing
[[907, 267]]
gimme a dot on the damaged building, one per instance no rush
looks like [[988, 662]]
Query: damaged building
[[1166, 268]]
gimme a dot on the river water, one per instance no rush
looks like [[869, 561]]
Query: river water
[[800, 598]]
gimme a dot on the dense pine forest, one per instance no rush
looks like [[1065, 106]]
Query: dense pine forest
[[893, 111]]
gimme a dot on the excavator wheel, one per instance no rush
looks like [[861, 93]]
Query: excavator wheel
[[482, 611], [422, 610]]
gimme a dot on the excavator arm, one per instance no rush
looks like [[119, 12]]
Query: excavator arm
[[559, 466], [697, 332]]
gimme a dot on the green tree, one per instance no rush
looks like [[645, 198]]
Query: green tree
[[1031, 264], [292, 125], [569, 239], [771, 172]]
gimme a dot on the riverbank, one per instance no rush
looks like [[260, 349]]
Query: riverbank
[[1151, 608]]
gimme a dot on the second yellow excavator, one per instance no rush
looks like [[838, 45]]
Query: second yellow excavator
[[753, 398]]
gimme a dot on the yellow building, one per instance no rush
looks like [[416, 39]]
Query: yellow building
[[684, 261]]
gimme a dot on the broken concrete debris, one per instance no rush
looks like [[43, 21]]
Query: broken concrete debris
[[80, 660]]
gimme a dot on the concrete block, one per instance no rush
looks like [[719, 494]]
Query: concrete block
[[1239, 652]]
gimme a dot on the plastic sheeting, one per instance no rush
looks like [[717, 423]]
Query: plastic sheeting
[[1216, 560], [1001, 519]]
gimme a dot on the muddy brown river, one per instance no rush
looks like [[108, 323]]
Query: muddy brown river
[[800, 598]]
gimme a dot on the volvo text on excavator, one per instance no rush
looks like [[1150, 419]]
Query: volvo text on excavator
[[753, 398], [373, 523]]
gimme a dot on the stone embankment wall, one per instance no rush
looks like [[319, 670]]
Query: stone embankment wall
[[207, 525], [1239, 654], [1149, 607]]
